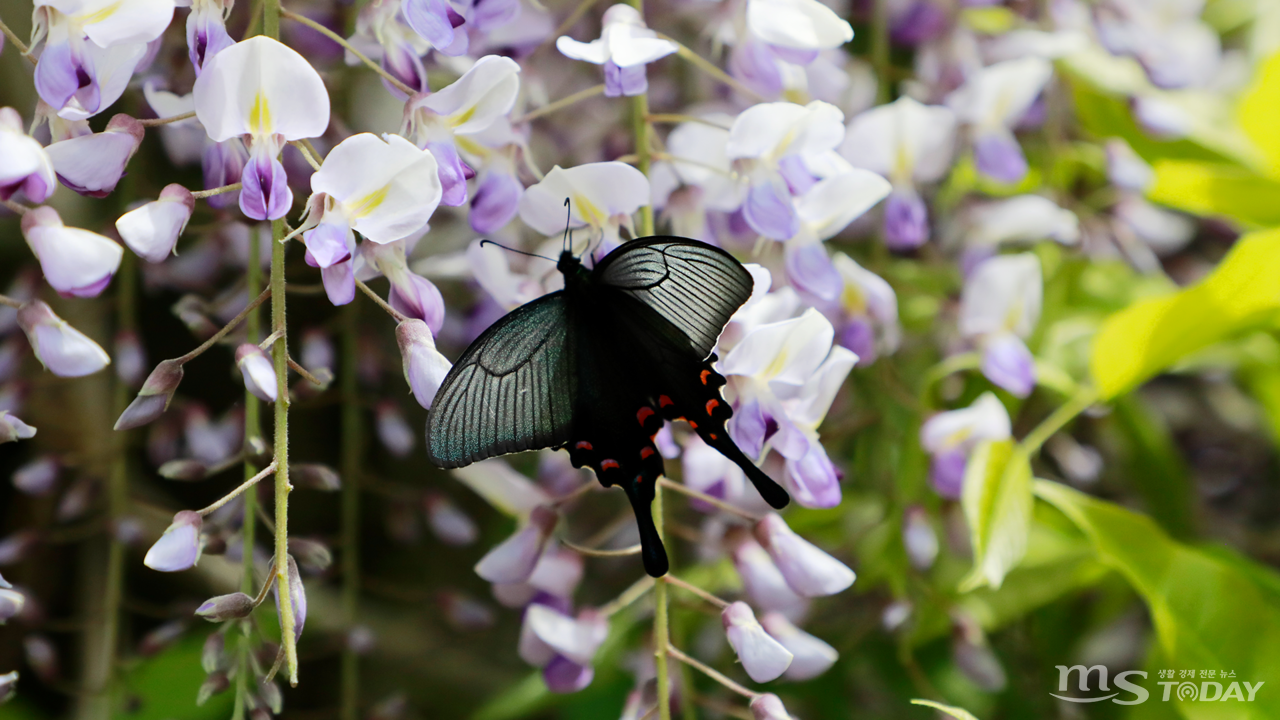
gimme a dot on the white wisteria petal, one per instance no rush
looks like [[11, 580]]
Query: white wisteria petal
[[594, 52], [476, 100], [116, 22], [1022, 218], [152, 230], [113, 68], [812, 656], [787, 352], [26, 166], [833, 203], [62, 349], [771, 130], [1000, 94], [819, 391], [575, 638], [75, 262], [1002, 294], [596, 192], [704, 146], [763, 657], [261, 87], [388, 188], [797, 24], [904, 141], [985, 419], [93, 164]]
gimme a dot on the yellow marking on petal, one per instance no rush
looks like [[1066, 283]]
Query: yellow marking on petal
[[102, 14], [853, 300], [472, 147], [778, 364], [260, 115], [368, 203], [588, 211], [456, 120]]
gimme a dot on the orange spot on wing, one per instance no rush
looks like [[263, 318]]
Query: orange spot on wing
[[646, 453], [693, 425], [712, 405], [609, 465], [643, 414], [584, 445], [664, 401], [714, 436], [705, 375]]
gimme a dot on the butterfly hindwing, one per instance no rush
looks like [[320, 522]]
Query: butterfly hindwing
[[694, 286], [513, 389]]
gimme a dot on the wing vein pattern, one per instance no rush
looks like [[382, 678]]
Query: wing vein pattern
[[694, 287], [512, 390]]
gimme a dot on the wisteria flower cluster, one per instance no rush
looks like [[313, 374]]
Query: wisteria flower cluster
[[947, 208]]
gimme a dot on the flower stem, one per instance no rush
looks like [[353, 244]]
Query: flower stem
[[246, 485], [202, 194], [17, 42], [711, 672], [338, 39], [1059, 419], [248, 310], [661, 628], [560, 104], [710, 68], [708, 499], [280, 353], [153, 122], [249, 525], [380, 302], [880, 49], [673, 580], [15, 206], [351, 456]]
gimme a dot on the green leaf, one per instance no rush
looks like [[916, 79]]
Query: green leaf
[[1207, 613], [1259, 108], [1216, 189], [955, 712], [1241, 294], [997, 503]]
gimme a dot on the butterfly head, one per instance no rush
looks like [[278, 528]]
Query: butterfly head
[[570, 266]]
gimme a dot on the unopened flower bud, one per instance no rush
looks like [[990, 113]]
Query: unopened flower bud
[[179, 548], [214, 684], [14, 548], [8, 685], [37, 477], [226, 607], [919, 538], [297, 597], [564, 676], [13, 429], [63, 350], [393, 431], [213, 655], [465, 613], [152, 230], [258, 371], [974, 657], [315, 476], [269, 691], [424, 366], [762, 657], [184, 469], [161, 637], [42, 656], [153, 399], [77, 499], [131, 358], [812, 656], [77, 263], [311, 554], [768, 707], [513, 560], [194, 313], [361, 640], [808, 570], [448, 522]]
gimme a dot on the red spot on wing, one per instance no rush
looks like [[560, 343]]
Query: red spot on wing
[[714, 436], [705, 375], [646, 453], [609, 465], [664, 401], [693, 425], [643, 414], [584, 445], [712, 405]]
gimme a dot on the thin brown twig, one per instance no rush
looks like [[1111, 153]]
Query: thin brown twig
[[673, 580], [711, 673], [380, 302], [592, 552], [10, 302], [560, 104], [201, 194], [154, 122], [225, 328], [306, 375], [17, 42], [240, 489], [16, 206], [711, 69], [686, 490], [305, 148], [348, 47]]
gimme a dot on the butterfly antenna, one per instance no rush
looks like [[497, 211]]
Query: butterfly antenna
[[568, 217], [513, 250]]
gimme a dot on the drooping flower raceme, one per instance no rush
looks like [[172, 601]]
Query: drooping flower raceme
[[950, 436], [999, 308], [991, 102], [384, 188], [441, 121], [908, 143], [264, 90], [77, 263], [782, 378], [91, 49], [624, 47], [602, 197]]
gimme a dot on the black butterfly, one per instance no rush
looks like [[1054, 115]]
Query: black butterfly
[[597, 367]]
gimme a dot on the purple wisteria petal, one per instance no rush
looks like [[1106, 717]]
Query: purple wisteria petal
[[798, 178], [453, 173], [339, 283], [406, 66], [491, 14], [999, 156], [859, 336], [223, 163], [417, 297], [906, 220], [265, 193], [435, 21], [1008, 363], [62, 73], [750, 427], [920, 22], [769, 213], [328, 243], [813, 479], [810, 270], [496, 202], [754, 64], [563, 675], [206, 34], [624, 81], [795, 56], [946, 472]]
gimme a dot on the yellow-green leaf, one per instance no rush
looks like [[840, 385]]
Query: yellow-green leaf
[[1208, 608], [1259, 108], [953, 711], [1217, 189], [1242, 293], [997, 503]]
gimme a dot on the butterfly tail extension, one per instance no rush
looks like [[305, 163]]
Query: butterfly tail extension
[[771, 491], [640, 493]]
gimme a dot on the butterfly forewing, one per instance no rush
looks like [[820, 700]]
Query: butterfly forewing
[[694, 286], [513, 389]]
